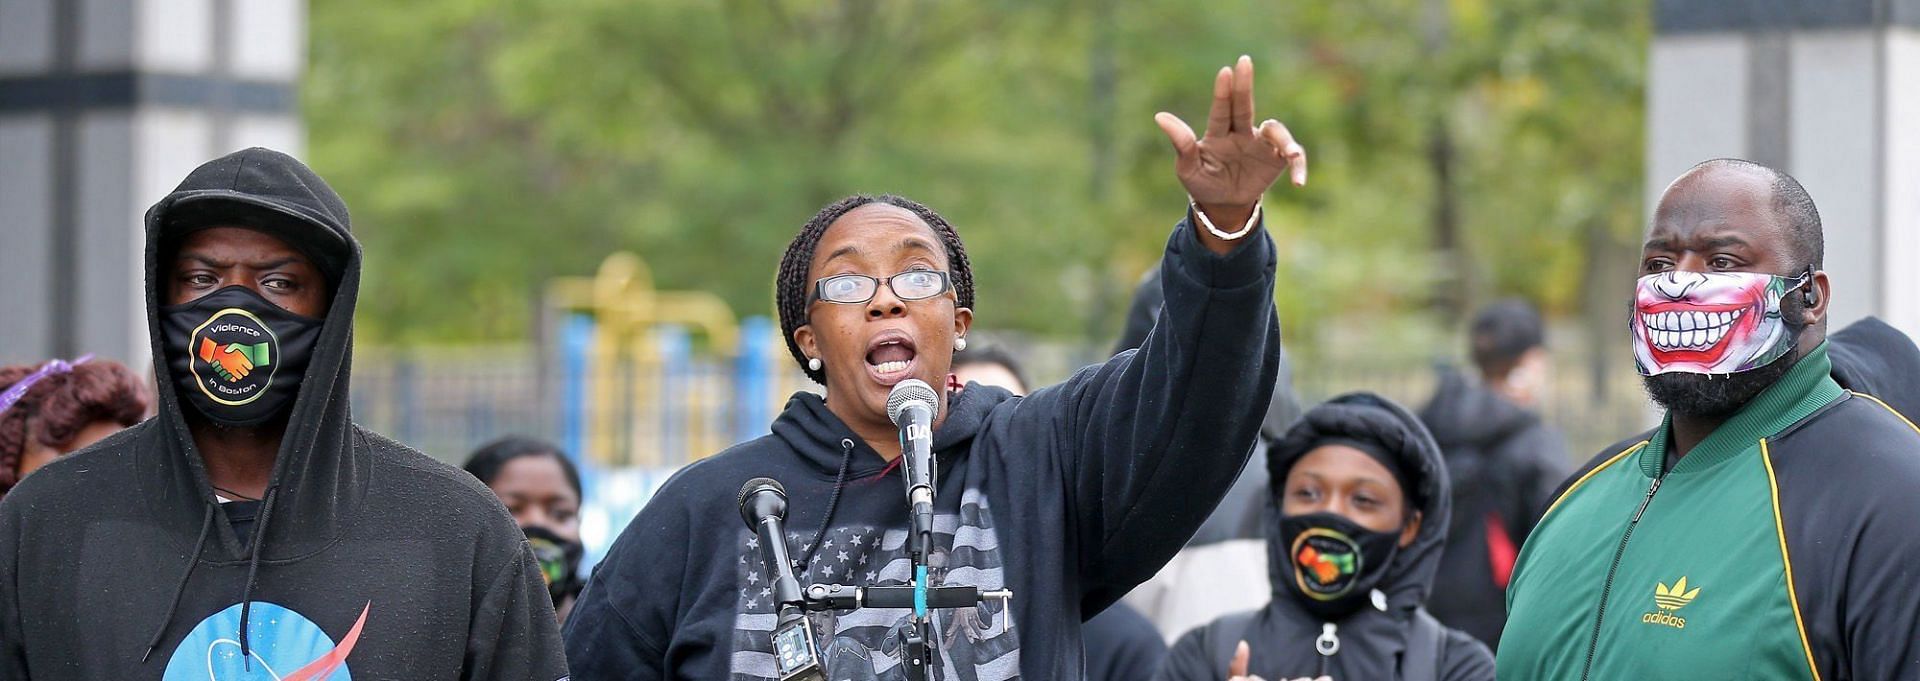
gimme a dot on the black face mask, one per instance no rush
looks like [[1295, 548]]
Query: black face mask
[[559, 561], [237, 357], [1329, 563]]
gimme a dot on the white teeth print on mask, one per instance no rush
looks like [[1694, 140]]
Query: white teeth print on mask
[[1720, 339]]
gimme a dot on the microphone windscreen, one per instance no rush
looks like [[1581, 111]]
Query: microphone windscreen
[[911, 390], [753, 487]]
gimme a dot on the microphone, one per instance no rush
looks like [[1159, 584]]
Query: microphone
[[912, 407], [763, 505]]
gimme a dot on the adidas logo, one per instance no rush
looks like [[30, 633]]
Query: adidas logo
[[1670, 599]]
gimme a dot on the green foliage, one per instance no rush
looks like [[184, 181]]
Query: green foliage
[[488, 146]]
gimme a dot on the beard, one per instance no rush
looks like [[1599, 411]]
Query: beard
[[1719, 396]]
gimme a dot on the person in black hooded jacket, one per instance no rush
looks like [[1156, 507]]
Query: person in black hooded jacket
[[1361, 506], [1068, 496], [1503, 460], [250, 529]]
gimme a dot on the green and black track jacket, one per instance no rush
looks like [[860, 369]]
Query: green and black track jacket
[[1784, 546]]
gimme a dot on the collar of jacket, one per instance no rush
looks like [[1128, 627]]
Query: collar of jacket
[[1805, 389]]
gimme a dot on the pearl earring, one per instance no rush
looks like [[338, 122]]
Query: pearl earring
[[960, 343], [813, 363]]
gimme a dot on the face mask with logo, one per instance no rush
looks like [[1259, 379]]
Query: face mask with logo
[[1710, 322], [237, 357], [1331, 564], [559, 561]]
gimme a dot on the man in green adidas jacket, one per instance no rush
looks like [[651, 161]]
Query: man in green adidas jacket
[[1769, 528]]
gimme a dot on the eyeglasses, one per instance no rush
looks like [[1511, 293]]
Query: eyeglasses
[[854, 289]]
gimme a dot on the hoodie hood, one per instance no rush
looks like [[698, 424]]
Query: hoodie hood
[[1371, 418], [1465, 414], [318, 479], [1872, 357], [822, 440]]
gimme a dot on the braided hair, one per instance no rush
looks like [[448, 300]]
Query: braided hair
[[791, 285], [60, 406]]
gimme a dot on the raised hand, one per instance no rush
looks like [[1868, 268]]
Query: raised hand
[[1237, 670], [1228, 169]]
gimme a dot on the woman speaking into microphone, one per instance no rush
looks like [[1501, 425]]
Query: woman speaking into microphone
[[1068, 497]]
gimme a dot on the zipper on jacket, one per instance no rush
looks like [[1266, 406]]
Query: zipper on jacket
[[1600, 615], [1327, 644]]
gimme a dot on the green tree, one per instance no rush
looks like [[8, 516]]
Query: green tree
[[488, 146]]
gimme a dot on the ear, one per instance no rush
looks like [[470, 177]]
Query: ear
[[962, 320], [803, 337], [1411, 530], [1819, 290]]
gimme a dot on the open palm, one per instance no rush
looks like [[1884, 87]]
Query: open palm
[[1235, 162]]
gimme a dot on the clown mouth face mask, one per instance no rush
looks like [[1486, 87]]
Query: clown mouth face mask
[[1710, 322]]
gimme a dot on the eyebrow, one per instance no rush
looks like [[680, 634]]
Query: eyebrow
[[1350, 480], [1715, 243], [217, 264], [916, 243], [911, 243], [849, 249]]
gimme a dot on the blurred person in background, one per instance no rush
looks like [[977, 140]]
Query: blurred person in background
[[1765, 528], [541, 488], [1121, 644], [61, 407], [1068, 497], [1210, 576], [1359, 518], [251, 525], [1503, 459]]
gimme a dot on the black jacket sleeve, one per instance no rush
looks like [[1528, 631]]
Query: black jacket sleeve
[[13, 657], [1191, 659], [513, 634], [623, 621], [1149, 441], [1465, 659], [1846, 481], [1122, 645]]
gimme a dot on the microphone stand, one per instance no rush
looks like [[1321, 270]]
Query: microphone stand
[[915, 640]]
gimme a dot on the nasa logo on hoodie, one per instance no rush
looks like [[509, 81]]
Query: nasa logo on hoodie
[[281, 645]]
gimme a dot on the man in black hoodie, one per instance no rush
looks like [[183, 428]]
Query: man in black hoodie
[[260, 533], [1504, 461]]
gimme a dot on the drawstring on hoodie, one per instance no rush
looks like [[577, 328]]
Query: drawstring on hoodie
[[193, 560], [833, 503], [253, 573]]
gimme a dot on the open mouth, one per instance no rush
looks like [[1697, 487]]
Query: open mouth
[[890, 358], [1688, 330]]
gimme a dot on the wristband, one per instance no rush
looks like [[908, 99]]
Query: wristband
[[1252, 220]]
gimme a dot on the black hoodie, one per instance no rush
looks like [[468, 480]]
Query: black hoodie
[[1873, 358], [1068, 496], [370, 560], [1504, 463], [1371, 643]]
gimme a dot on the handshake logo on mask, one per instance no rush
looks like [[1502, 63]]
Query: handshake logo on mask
[[233, 361], [233, 357]]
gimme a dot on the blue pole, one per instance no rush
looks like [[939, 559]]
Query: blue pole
[[676, 355], [576, 351], [753, 379]]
